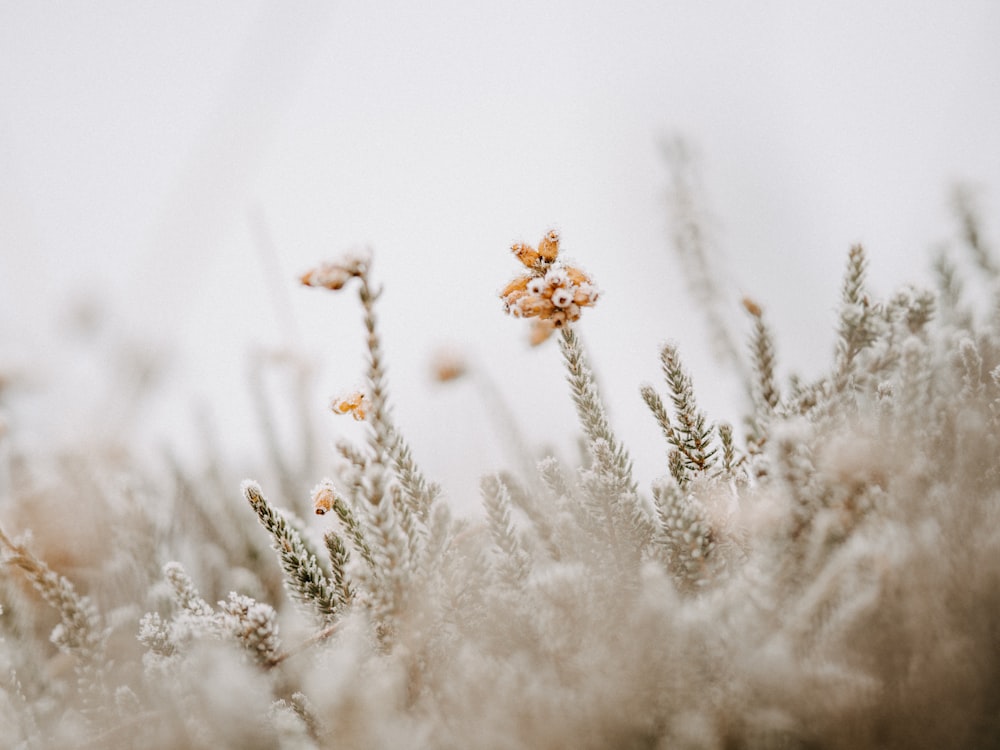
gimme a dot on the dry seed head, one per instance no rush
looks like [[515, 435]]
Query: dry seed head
[[354, 404]]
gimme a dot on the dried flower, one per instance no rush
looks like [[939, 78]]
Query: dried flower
[[354, 403], [541, 330], [447, 365], [548, 248], [561, 297], [751, 307], [550, 289], [324, 498], [526, 254], [335, 275]]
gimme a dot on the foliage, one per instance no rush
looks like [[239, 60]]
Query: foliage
[[828, 575]]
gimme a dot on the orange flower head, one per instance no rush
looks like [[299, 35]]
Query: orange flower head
[[549, 290]]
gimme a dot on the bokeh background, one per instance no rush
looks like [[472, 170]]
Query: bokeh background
[[168, 169]]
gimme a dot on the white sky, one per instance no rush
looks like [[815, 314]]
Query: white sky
[[138, 138]]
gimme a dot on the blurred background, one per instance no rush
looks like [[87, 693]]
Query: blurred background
[[167, 170]]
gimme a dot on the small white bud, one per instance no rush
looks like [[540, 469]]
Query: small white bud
[[557, 277], [562, 298]]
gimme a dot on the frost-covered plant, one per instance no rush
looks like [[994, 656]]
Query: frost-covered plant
[[825, 574]]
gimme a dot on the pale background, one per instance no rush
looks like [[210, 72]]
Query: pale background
[[149, 150]]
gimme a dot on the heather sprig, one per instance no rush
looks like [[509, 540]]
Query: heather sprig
[[413, 530], [591, 412], [18, 712], [81, 631], [764, 393], [514, 563], [355, 531], [387, 485], [765, 389], [950, 292], [304, 577], [553, 477], [537, 512], [966, 211], [857, 327], [688, 431], [254, 625], [539, 292], [732, 460], [419, 494], [380, 436], [339, 557], [615, 510], [685, 536], [185, 594], [660, 413], [251, 624], [692, 244]]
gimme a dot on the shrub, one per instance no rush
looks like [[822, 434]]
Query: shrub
[[826, 574]]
